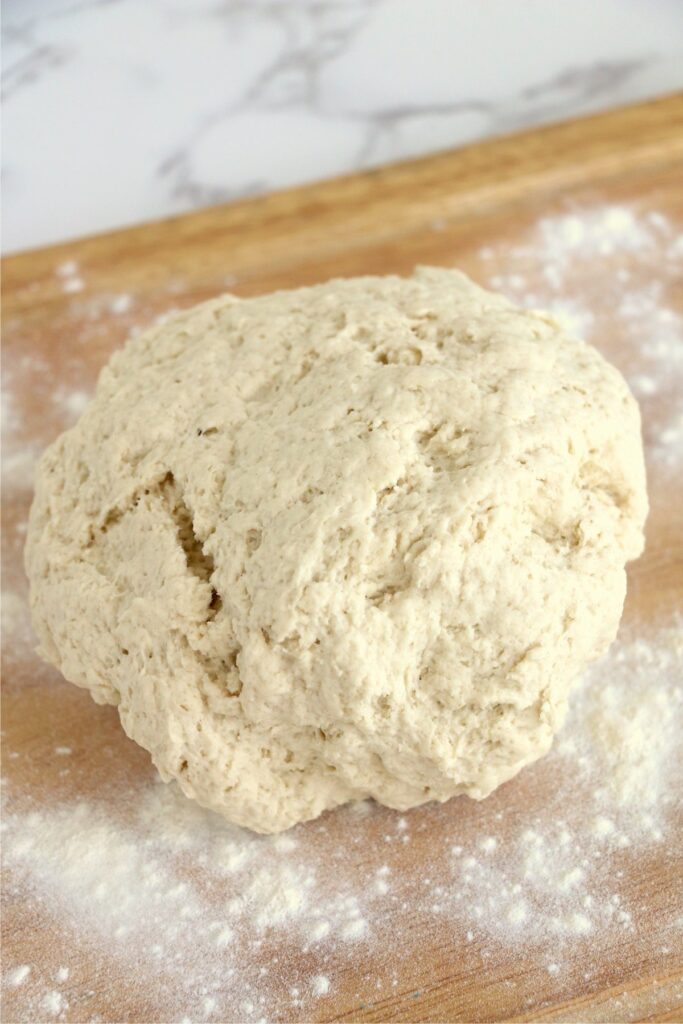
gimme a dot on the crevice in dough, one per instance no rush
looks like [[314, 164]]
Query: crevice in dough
[[219, 681], [444, 448], [199, 563], [406, 356], [593, 477], [378, 597]]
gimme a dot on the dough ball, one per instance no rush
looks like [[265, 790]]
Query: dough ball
[[345, 541]]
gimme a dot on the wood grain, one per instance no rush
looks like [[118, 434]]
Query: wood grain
[[307, 234], [443, 210]]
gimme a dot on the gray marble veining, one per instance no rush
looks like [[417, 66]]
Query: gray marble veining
[[117, 111]]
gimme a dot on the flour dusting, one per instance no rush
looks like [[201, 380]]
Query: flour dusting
[[598, 232], [17, 631], [71, 403], [220, 924], [158, 883], [53, 1003], [68, 274], [73, 284], [121, 304], [321, 985], [640, 257], [18, 975], [67, 269], [631, 727], [18, 468]]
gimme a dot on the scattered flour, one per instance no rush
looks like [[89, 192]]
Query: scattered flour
[[53, 1003], [121, 304], [632, 728], [622, 743], [67, 269], [354, 928], [576, 321], [642, 258], [71, 404], [208, 914], [67, 272], [321, 985], [18, 468], [11, 422], [96, 870], [274, 896], [319, 931], [600, 232], [18, 975], [73, 284], [17, 632], [163, 882], [603, 826]]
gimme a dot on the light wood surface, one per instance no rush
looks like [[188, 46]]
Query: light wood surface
[[444, 210]]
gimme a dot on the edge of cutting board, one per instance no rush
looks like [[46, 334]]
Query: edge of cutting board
[[339, 214]]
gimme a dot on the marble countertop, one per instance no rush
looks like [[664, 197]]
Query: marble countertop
[[120, 111]]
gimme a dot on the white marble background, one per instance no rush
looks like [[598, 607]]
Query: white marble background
[[119, 111]]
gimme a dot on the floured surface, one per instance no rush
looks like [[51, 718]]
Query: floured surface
[[556, 897], [217, 923]]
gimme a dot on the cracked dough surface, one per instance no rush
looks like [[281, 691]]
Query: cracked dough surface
[[345, 541]]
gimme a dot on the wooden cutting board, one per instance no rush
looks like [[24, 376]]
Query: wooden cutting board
[[490, 209]]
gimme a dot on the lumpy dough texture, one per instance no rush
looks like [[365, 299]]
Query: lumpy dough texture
[[345, 541]]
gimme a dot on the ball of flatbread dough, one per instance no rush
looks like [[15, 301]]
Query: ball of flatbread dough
[[345, 541]]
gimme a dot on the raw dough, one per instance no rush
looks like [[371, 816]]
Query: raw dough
[[346, 541]]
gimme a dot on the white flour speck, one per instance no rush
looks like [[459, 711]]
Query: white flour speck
[[577, 923], [18, 975], [643, 385], [319, 930], [67, 269], [71, 403], [18, 468], [72, 284], [517, 914], [603, 826], [17, 632], [53, 1003], [120, 304], [354, 929], [320, 985]]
